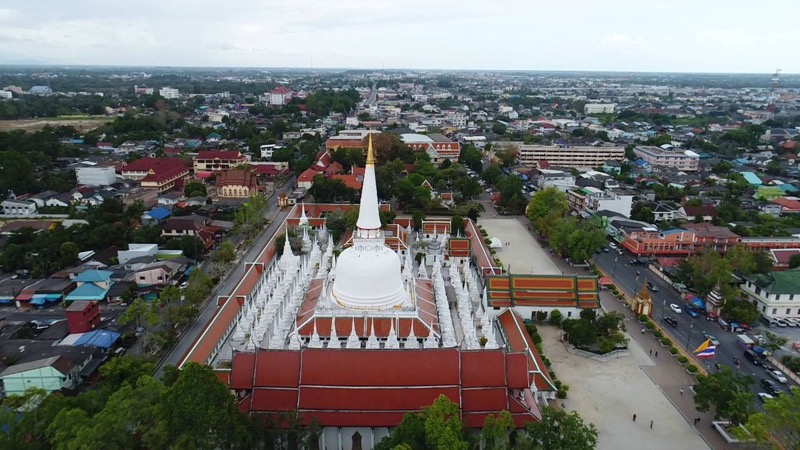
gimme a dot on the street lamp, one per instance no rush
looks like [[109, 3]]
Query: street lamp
[[663, 307], [689, 338], [614, 272]]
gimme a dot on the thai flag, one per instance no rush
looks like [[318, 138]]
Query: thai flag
[[705, 350]]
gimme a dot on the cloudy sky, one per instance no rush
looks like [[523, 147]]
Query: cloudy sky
[[615, 35]]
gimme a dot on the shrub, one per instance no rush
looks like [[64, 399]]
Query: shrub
[[666, 341], [691, 368], [555, 317], [614, 292], [673, 351], [658, 334], [682, 359], [649, 325], [643, 318], [562, 391], [541, 316]]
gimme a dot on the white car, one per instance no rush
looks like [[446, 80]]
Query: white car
[[763, 396], [612, 245], [792, 322], [778, 375], [675, 308]]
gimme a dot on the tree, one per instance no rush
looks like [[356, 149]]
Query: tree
[[546, 202], [195, 189], [443, 427], [498, 128], [124, 370], [643, 214], [778, 421], [558, 429], [139, 313], [417, 217], [225, 253], [794, 261], [774, 342], [727, 392], [456, 225], [169, 295], [491, 174], [496, 431], [68, 254], [199, 412], [409, 432]]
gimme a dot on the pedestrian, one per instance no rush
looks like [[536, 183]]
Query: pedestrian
[[698, 420], [651, 352], [643, 330], [634, 417], [651, 424], [681, 391], [656, 354]]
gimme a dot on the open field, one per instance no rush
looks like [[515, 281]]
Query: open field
[[81, 123]]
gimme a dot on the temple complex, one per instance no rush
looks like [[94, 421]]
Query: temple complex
[[396, 319]]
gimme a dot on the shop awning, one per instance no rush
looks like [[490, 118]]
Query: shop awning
[[37, 301], [606, 281]]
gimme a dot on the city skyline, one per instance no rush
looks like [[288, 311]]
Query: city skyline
[[676, 37]]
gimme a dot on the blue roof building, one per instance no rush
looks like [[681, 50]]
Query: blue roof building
[[752, 178], [158, 214], [97, 338], [93, 285]]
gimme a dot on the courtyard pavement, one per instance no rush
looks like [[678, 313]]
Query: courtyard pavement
[[524, 255]]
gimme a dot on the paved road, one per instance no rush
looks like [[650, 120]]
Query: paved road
[[690, 331], [191, 334]]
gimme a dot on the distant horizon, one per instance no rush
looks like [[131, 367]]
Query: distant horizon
[[371, 69]]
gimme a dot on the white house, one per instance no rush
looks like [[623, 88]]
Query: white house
[[169, 93], [18, 207], [96, 176], [775, 294]]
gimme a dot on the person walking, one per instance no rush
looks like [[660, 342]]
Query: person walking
[[651, 352], [634, 417], [656, 354], [681, 391], [643, 329], [651, 424]]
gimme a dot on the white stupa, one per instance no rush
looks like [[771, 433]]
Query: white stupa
[[368, 275]]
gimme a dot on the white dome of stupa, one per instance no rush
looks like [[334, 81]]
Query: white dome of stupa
[[368, 274]]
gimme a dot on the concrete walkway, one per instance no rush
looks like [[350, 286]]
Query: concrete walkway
[[524, 255]]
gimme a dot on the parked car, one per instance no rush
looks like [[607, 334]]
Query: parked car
[[183, 285], [605, 249], [673, 323], [652, 287], [675, 308], [792, 322], [781, 323], [692, 311], [778, 375], [612, 245], [771, 387]]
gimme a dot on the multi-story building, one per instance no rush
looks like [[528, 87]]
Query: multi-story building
[[237, 183], [169, 93], [591, 200], [143, 90], [280, 95], [15, 207], [685, 160], [438, 146], [161, 174], [217, 160], [563, 155], [6, 94], [776, 294], [599, 108], [96, 176]]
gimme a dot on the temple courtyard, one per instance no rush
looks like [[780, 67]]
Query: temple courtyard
[[524, 255]]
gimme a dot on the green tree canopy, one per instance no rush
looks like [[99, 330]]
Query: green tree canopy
[[558, 429], [727, 392], [546, 202]]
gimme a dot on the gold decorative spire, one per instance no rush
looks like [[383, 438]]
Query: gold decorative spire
[[644, 293], [370, 152]]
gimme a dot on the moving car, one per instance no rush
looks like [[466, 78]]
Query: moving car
[[605, 249], [778, 375], [763, 396], [675, 308], [652, 287], [711, 338], [753, 357], [612, 245], [671, 321], [692, 311], [771, 387]]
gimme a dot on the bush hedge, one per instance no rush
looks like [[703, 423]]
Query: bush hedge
[[673, 351], [691, 368], [667, 342], [658, 334], [682, 359]]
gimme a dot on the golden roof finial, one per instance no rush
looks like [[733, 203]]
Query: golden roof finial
[[370, 152], [644, 293]]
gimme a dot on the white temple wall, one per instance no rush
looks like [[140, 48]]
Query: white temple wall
[[335, 438]]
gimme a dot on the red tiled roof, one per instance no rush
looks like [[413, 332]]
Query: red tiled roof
[[351, 181], [220, 154], [332, 144], [307, 175], [520, 341], [237, 177], [148, 164], [787, 204], [169, 169], [334, 167]]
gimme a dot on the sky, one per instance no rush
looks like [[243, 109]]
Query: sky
[[605, 35]]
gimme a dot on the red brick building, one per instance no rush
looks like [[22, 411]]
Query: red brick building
[[83, 317]]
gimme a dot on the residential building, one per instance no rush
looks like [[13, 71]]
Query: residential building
[[267, 150], [142, 167], [50, 198], [599, 108], [93, 285], [143, 90], [558, 178], [51, 374], [169, 93], [438, 146], [157, 273], [6, 95], [663, 212], [237, 183], [685, 160], [612, 167], [83, 317], [563, 155], [776, 294], [40, 90], [280, 96], [15, 207], [217, 160], [590, 200], [168, 176], [136, 251], [96, 176]]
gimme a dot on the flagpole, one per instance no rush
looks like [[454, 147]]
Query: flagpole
[[689, 338]]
